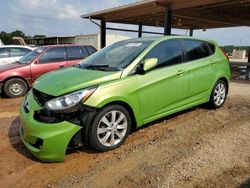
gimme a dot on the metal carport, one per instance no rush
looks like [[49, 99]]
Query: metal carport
[[181, 14]]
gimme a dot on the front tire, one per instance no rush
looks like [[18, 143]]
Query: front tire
[[218, 95], [110, 128], [15, 87]]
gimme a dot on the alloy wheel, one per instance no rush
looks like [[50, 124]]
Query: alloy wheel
[[112, 128]]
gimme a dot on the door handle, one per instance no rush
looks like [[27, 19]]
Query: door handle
[[180, 72], [212, 62], [61, 66]]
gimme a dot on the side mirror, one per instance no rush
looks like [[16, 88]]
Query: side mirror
[[149, 64]]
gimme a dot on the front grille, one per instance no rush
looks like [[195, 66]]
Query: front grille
[[46, 116], [41, 98]]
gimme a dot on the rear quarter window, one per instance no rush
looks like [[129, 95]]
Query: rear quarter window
[[196, 49], [212, 48], [90, 50]]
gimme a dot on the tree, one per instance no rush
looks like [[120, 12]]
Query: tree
[[5, 37], [17, 33], [39, 36]]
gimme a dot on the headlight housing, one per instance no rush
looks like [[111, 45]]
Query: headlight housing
[[70, 100]]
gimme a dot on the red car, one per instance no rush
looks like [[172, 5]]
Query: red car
[[16, 78]]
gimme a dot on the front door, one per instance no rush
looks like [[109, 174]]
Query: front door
[[164, 88]]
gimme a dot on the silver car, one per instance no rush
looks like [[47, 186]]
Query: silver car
[[11, 53]]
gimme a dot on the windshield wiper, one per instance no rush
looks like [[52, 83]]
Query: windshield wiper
[[102, 67], [18, 62]]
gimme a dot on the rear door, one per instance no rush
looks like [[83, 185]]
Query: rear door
[[75, 54], [54, 58], [200, 68], [4, 56]]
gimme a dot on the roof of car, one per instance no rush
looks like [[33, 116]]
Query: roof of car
[[16, 46], [161, 38], [61, 45]]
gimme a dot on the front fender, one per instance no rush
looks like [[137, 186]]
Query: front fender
[[123, 90]]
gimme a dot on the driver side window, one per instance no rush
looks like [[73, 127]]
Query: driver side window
[[53, 55], [168, 53]]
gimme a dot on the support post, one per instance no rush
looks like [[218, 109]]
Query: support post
[[248, 55], [191, 32], [103, 33], [140, 30], [168, 20]]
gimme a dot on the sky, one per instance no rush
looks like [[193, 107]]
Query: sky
[[62, 18]]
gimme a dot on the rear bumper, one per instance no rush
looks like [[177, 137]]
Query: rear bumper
[[47, 142]]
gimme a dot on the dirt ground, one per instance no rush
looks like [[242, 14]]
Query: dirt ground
[[196, 148]]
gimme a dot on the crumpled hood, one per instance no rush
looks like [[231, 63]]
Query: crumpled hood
[[9, 66], [72, 79]]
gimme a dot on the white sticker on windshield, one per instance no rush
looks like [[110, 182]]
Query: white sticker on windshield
[[134, 44]]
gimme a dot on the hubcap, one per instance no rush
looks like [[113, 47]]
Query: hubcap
[[16, 89], [219, 94], [112, 128]]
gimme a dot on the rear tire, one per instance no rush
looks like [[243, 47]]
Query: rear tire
[[15, 87], [218, 95], [111, 127]]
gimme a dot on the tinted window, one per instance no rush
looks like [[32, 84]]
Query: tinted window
[[74, 52], [212, 47], [4, 52], [16, 52], [53, 55], [167, 53], [90, 49], [196, 49]]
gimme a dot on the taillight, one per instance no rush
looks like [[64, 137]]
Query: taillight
[[225, 53]]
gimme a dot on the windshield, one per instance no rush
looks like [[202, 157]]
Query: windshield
[[117, 56], [28, 58]]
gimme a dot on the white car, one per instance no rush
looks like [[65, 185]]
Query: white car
[[11, 53]]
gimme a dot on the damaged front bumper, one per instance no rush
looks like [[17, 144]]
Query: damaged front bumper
[[46, 141]]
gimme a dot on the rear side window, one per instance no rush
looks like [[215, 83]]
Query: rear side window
[[196, 49], [4, 52], [168, 53], [53, 55], [16, 52], [74, 52], [91, 49], [212, 47]]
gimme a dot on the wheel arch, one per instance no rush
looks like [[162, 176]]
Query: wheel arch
[[13, 77], [223, 78], [20, 77]]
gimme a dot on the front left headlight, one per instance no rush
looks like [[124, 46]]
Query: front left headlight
[[69, 100]]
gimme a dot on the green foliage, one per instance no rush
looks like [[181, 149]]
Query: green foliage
[[7, 37]]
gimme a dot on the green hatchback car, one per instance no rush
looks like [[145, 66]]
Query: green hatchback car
[[118, 89]]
